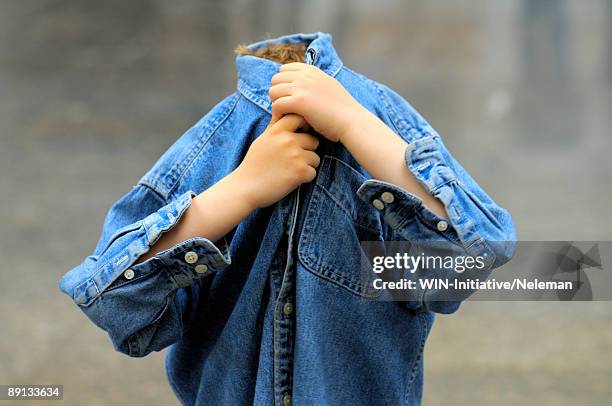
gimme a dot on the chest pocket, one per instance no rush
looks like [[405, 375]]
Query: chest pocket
[[335, 223]]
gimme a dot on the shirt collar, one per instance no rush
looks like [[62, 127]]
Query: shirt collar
[[254, 75]]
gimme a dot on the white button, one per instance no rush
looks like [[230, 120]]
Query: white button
[[201, 268], [378, 204], [442, 225], [191, 257], [387, 197], [288, 309], [129, 274]]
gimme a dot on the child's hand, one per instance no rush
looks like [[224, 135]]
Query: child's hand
[[277, 162], [306, 90]]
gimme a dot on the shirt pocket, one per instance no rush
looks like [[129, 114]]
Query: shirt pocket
[[335, 223]]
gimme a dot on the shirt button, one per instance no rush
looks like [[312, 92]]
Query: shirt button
[[201, 268], [288, 309], [378, 204], [442, 225], [129, 274], [191, 257], [287, 400], [387, 197]]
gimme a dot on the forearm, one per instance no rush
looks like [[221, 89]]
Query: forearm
[[381, 153], [212, 214]]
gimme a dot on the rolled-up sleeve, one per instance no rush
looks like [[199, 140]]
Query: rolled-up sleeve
[[475, 223], [142, 306]]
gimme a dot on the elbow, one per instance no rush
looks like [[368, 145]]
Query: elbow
[[131, 333], [154, 335], [443, 306], [110, 319], [500, 235]]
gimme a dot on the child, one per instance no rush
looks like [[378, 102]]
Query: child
[[240, 248]]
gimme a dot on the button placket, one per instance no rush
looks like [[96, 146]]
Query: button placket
[[284, 325]]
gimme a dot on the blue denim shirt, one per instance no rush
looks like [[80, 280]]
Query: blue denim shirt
[[275, 312]]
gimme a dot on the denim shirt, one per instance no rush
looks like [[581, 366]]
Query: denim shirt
[[275, 311]]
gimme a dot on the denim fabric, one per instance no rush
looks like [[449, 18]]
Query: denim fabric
[[278, 314]]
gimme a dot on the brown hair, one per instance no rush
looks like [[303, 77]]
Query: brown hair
[[281, 53]]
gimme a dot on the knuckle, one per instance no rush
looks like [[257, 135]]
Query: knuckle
[[311, 173], [285, 139], [296, 175], [303, 172], [295, 153]]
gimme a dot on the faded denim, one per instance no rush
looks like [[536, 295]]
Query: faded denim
[[232, 337]]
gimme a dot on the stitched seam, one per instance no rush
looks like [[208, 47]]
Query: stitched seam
[[144, 182], [346, 165], [363, 226], [106, 263], [248, 93], [323, 271], [391, 112], [355, 222], [200, 146]]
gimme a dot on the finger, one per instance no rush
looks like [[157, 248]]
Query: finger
[[307, 141], [283, 105], [285, 77], [312, 159], [306, 128], [271, 123], [280, 109], [290, 122], [311, 174], [275, 117], [292, 66], [280, 90]]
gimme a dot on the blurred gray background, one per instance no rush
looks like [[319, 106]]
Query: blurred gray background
[[92, 93]]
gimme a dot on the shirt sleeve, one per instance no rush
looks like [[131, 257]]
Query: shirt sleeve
[[476, 224], [143, 306]]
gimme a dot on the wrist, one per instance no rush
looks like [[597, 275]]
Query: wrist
[[231, 193], [242, 189]]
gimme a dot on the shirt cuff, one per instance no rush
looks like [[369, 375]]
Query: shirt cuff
[[398, 206], [186, 261], [400, 209], [425, 160]]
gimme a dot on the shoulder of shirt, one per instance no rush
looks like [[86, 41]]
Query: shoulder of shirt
[[370, 93], [360, 83], [394, 109], [164, 176]]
